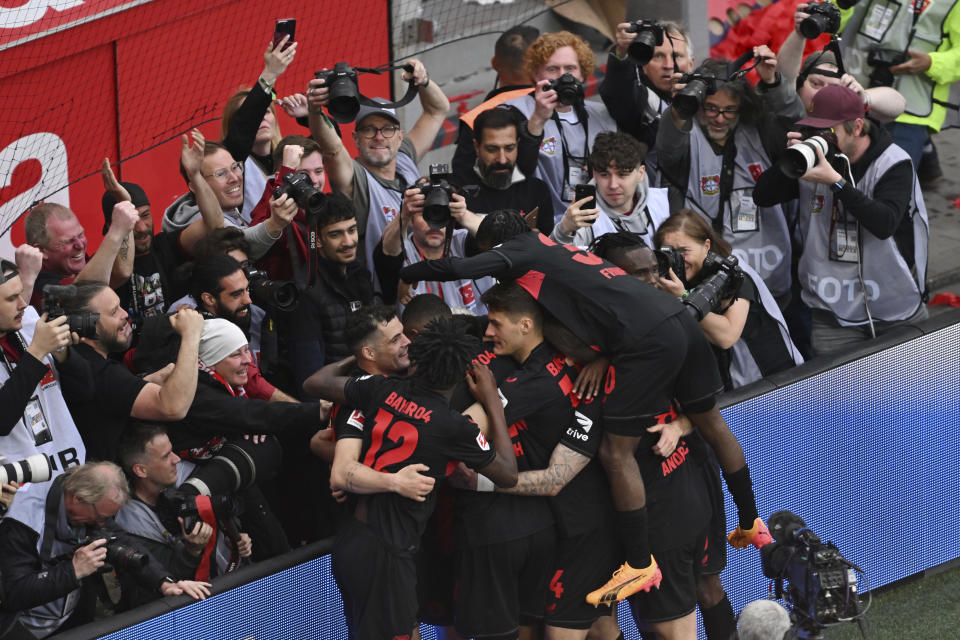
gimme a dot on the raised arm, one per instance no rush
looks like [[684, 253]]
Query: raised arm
[[114, 257], [211, 214], [503, 470], [336, 161], [172, 400], [435, 107]]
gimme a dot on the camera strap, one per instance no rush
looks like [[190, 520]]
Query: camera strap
[[205, 511], [727, 170], [565, 155], [51, 515]]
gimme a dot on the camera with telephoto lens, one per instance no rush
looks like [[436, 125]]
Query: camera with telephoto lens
[[801, 157], [83, 324], [36, 468], [700, 84], [881, 60], [271, 294], [824, 17], [569, 89], [173, 504], [299, 187], [670, 258], [822, 585], [649, 37], [436, 208], [119, 556], [344, 87], [720, 279]]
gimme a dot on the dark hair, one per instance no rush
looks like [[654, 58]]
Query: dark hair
[[441, 354], [611, 246], [364, 323], [86, 291], [512, 45], [495, 118], [692, 223], [309, 146], [499, 226], [616, 148], [222, 241], [134, 440], [209, 148], [513, 300], [337, 208], [6, 266], [424, 308], [204, 274], [740, 89]]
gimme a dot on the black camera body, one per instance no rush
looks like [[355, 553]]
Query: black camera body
[[881, 60], [271, 294], [822, 585], [83, 324], [670, 258], [569, 90], [173, 504], [299, 187], [824, 17], [436, 208], [720, 279], [344, 87], [119, 556], [649, 36], [701, 83]]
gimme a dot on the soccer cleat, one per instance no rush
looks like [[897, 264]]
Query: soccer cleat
[[758, 536], [625, 582]]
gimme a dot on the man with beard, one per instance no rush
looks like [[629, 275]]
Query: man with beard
[[316, 334], [501, 185], [118, 395]]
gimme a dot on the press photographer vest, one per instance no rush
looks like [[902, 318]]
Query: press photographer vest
[[66, 446], [768, 248], [384, 206], [887, 25], [567, 148], [456, 293], [743, 364], [894, 290], [33, 504]]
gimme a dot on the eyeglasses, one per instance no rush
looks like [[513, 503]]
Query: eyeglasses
[[220, 174], [729, 113], [371, 132]]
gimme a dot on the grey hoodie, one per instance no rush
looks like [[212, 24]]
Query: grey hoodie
[[184, 211]]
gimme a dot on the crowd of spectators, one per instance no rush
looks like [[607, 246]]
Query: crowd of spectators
[[437, 370]]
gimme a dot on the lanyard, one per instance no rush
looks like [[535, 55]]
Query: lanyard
[[582, 115]]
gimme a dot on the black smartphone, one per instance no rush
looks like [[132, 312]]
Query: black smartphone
[[284, 27], [582, 191]]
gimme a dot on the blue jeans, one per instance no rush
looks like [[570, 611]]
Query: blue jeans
[[911, 138]]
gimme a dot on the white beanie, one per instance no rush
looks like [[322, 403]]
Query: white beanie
[[219, 339]]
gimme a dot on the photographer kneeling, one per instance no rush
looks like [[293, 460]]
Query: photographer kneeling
[[863, 220], [159, 518], [744, 325], [55, 535]]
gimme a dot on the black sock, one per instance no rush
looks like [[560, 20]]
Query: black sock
[[719, 621], [632, 527], [741, 490]]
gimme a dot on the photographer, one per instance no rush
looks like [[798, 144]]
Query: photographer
[[410, 238], [152, 466], [711, 150], [915, 49], [624, 197], [44, 566], [638, 94], [558, 119], [34, 417], [749, 334], [864, 259], [387, 156], [819, 69]]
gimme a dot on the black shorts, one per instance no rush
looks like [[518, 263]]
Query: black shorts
[[673, 361], [501, 586], [716, 556], [378, 586], [677, 596], [436, 566], [583, 563]]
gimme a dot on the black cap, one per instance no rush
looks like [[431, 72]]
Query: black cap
[[137, 195]]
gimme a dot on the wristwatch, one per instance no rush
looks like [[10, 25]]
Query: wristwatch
[[838, 186]]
